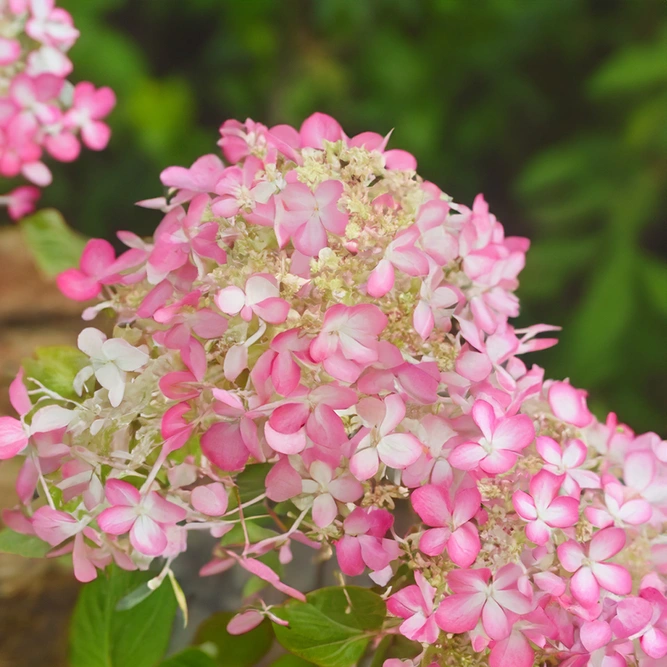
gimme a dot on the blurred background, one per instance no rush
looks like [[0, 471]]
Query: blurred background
[[556, 110]]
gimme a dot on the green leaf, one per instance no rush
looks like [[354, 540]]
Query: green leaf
[[244, 650], [100, 636], [133, 598], [56, 367], [333, 628], [191, 657], [27, 546], [291, 661], [54, 246]]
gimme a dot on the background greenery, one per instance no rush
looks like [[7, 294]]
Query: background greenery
[[555, 109]]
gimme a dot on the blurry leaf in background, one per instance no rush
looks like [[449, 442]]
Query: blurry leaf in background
[[18, 544], [55, 367], [54, 246], [191, 657], [98, 633], [244, 650]]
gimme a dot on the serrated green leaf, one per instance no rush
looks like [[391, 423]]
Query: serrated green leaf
[[100, 636], [27, 546], [191, 657], [54, 246], [333, 628], [244, 650], [56, 367]]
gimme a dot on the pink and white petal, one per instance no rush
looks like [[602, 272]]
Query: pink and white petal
[[430, 503], [117, 520], [393, 415], [434, 540], [467, 456], [273, 310], [606, 543], [285, 443], [550, 583], [639, 469], [54, 526], [423, 320], [574, 454], [584, 587], [654, 643], [310, 237], [549, 450], [325, 510], [210, 499], [513, 651], [148, 537], [121, 493], [563, 512], [399, 450], [84, 570], [244, 622], [595, 635], [348, 553], [381, 279], [498, 461], [538, 532], [464, 545], [346, 489], [495, 621], [524, 505], [544, 487], [485, 418], [513, 601], [77, 286], [571, 555], [13, 438], [364, 463], [569, 404], [469, 581], [466, 504], [612, 577], [460, 612], [163, 511], [514, 433], [230, 300], [636, 512], [474, 366]]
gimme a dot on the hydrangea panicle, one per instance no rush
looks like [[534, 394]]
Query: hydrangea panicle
[[313, 313]]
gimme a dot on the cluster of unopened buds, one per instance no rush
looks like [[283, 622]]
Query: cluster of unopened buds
[[315, 310], [40, 110]]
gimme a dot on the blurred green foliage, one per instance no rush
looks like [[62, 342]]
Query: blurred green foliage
[[555, 109]]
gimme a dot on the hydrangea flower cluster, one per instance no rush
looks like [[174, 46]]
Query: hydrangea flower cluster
[[40, 110], [316, 310]]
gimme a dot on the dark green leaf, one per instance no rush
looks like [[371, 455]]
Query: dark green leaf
[[244, 650], [100, 636], [54, 246], [191, 657], [291, 661], [334, 626], [27, 546]]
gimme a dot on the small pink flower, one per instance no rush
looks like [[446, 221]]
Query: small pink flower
[[21, 201], [328, 489], [544, 509], [239, 190], [619, 509], [348, 340], [567, 461], [450, 518], [379, 442], [475, 597], [498, 448], [437, 302], [415, 604], [261, 297], [364, 543], [306, 216], [95, 269], [145, 518], [54, 526], [89, 107], [591, 572], [200, 178]]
